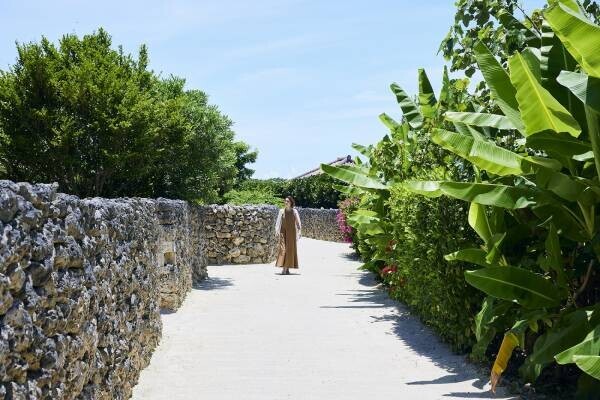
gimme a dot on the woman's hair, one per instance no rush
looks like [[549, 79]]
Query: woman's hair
[[291, 199]]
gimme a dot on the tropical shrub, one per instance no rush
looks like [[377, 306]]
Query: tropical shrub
[[535, 208], [395, 228], [529, 169]]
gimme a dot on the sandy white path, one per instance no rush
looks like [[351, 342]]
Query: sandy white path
[[327, 332]]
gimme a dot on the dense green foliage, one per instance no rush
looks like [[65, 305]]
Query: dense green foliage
[[502, 25], [425, 230], [243, 157], [252, 196], [315, 191], [524, 158], [99, 123], [538, 266], [407, 236]]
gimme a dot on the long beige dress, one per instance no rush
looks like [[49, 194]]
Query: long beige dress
[[287, 256]]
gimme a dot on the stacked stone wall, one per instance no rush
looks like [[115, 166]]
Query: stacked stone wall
[[82, 282], [239, 234], [246, 234], [320, 224]]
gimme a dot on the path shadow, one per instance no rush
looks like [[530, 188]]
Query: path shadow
[[471, 395], [213, 283], [350, 256], [414, 334]]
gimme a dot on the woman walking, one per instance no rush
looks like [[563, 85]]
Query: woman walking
[[287, 229]]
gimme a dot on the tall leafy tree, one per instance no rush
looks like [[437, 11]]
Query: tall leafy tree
[[244, 157], [100, 123]]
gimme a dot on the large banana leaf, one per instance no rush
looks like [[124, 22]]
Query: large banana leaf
[[579, 35], [502, 196], [445, 90], [497, 79], [493, 247], [427, 100], [558, 144], [348, 190], [531, 57], [484, 154], [491, 310], [593, 122], [570, 330], [473, 256], [364, 150], [589, 364], [539, 110], [407, 105], [571, 227], [590, 345], [498, 160], [353, 177], [484, 332], [366, 222], [565, 187], [572, 4], [553, 260], [585, 88], [484, 316], [362, 216], [481, 119], [522, 286], [388, 121], [478, 220], [554, 59]]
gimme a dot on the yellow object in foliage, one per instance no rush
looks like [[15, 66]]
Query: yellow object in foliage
[[509, 343]]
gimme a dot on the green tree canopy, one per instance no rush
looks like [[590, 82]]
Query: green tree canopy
[[100, 123], [502, 25]]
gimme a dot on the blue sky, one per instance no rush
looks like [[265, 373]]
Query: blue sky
[[301, 79]]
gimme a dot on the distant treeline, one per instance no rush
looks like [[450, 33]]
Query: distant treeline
[[314, 191]]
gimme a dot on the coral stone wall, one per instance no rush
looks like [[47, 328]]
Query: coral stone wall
[[321, 224], [239, 234], [246, 234], [180, 251], [81, 284]]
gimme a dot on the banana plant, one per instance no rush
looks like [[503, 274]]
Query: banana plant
[[399, 149], [534, 206]]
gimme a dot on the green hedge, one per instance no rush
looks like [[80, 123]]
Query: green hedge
[[424, 231]]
